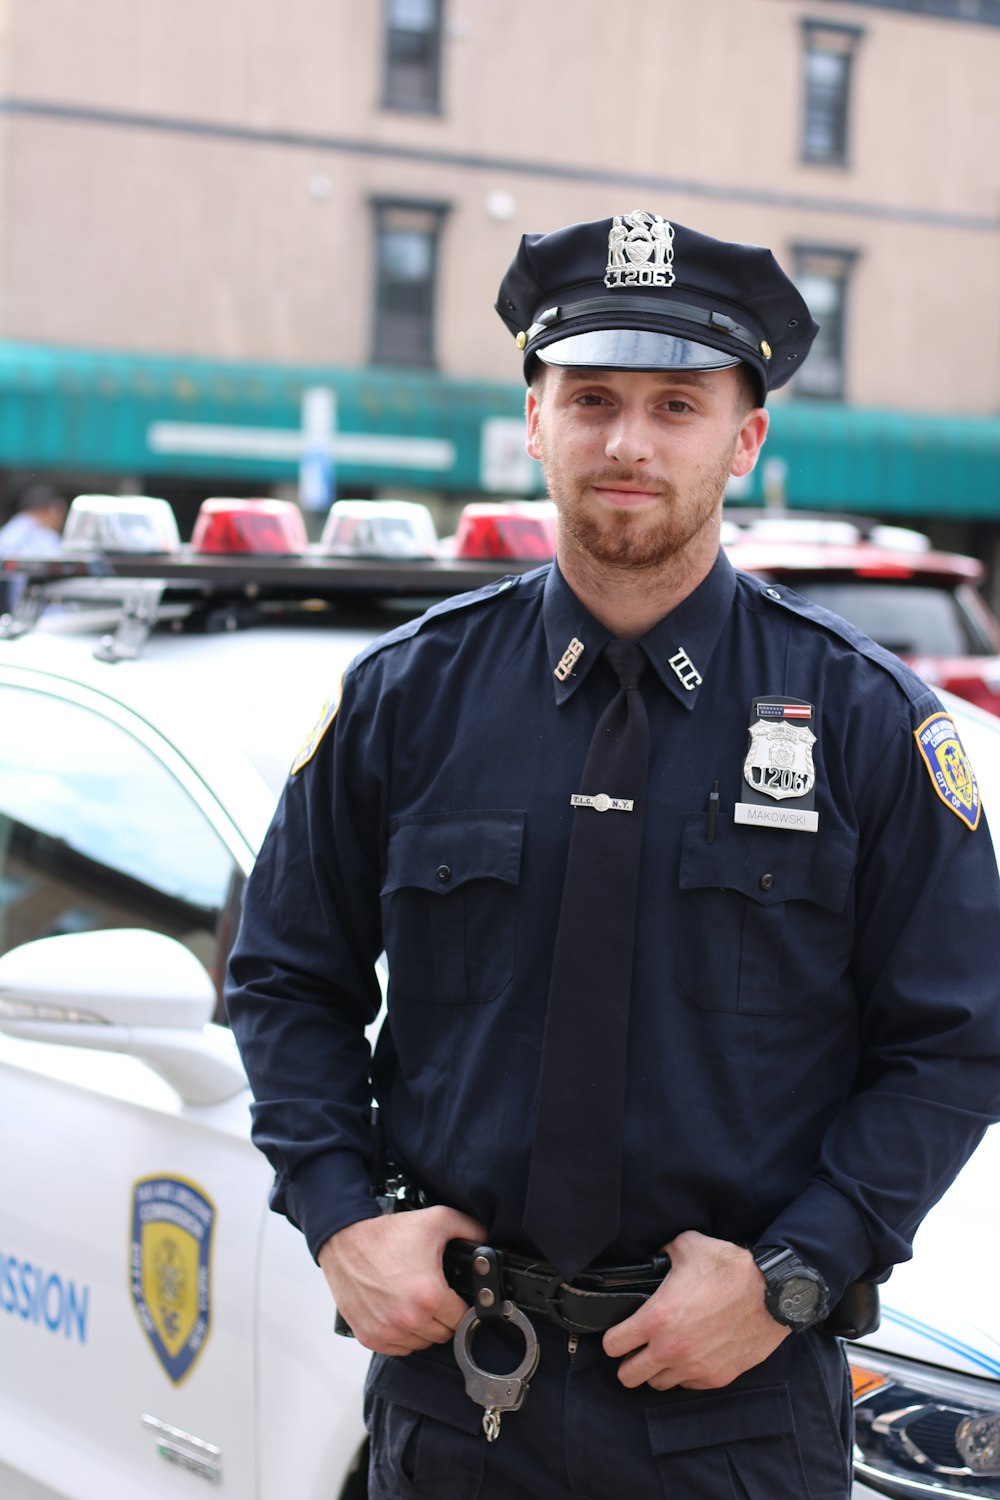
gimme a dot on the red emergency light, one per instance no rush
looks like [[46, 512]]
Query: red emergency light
[[523, 532], [263, 527]]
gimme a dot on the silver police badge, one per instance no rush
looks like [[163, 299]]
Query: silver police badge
[[779, 767], [640, 250], [779, 762]]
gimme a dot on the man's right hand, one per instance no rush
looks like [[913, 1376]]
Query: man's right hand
[[387, 1280]]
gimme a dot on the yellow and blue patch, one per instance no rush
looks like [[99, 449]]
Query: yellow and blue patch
[[949, 767], [171, 1269], [314, 738]]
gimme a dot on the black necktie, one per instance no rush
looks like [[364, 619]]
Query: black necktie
[[573, 1204]]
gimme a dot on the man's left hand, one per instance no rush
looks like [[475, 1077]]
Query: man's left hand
[[704, 1326]]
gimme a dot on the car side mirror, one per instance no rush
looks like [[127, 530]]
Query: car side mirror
[[123, 990]]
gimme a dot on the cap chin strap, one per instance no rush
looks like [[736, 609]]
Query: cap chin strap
[[685, 312]]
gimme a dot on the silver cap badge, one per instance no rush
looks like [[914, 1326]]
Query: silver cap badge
[[640, 250]]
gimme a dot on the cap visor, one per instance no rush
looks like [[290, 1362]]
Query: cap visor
[[633, 349]]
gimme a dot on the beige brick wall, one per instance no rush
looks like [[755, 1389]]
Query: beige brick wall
[[120, 236]]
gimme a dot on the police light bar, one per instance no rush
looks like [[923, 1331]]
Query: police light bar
[[262, 527], [379, 528], [523, 530], [120, 523]]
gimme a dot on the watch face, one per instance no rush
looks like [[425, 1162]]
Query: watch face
[[798, 1298]]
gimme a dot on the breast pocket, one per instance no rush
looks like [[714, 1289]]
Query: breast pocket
[[449, 906], [766, 923]]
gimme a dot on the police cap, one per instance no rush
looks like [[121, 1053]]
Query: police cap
[[637, 292]]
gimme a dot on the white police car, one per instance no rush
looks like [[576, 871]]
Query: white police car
[[158, 1325]]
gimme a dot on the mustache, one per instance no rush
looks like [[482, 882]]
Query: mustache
[[616, 479]]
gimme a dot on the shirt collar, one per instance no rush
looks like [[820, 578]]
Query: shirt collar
[[679, 647]]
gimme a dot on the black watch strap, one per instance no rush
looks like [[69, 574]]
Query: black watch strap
[[794, 1294]]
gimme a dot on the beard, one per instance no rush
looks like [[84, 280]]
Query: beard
[[647, 540]]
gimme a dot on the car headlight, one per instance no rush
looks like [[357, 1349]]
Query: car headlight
[[921, 1431]]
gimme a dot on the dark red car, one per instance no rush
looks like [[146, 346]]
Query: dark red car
[[923, 605]]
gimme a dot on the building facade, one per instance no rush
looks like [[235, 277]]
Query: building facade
[[236, 235]]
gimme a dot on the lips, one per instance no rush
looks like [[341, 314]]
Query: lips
[[624, 497]]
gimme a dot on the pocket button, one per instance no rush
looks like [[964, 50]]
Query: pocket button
[[443, 873], [766, 882]]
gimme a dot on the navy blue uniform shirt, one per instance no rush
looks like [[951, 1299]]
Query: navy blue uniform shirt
[[814, 1043]]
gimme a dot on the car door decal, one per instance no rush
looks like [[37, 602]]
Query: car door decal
[[171, 1268], [44, 1297]]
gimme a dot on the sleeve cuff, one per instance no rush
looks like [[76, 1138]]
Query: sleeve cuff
[[826, 1231], [327, 1193]]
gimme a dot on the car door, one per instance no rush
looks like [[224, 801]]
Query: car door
[[129, 1220]]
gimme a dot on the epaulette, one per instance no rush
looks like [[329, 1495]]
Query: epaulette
[[778, 594], [455, 604]]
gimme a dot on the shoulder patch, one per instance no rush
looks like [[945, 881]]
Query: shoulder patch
[[949, 767], [313, 739]]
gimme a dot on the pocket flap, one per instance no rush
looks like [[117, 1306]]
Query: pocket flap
[[726, 1417], [769, 865], [439, 851]]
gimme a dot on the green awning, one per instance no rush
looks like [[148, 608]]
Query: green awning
[[148, 415], [886, 462]]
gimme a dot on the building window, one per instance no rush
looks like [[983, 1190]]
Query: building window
[[822, 276], [827, 60], [413, 55], [406, 238]]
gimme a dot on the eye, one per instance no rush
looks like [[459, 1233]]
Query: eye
[[678, 405], [590, 398]]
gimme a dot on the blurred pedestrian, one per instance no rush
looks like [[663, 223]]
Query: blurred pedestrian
[[34, 530]]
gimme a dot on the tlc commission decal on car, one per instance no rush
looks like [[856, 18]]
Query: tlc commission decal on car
[[43, 1297], [171, 1270]]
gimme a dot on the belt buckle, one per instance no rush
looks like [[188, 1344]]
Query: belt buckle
[[496, 1393]]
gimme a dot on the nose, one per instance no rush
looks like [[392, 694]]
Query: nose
[[629, 440]]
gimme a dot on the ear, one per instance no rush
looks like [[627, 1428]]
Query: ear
[[531, 412], [750, 440]]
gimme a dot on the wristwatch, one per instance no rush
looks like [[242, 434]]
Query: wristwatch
[[794, 1293]]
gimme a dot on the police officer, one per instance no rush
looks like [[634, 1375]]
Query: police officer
[[751, 953]]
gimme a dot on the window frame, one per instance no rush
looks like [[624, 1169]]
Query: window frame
[[808, 258], [841, 41], [383, 350], [401, 99]]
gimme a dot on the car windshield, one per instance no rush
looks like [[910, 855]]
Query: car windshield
[[910, 619]]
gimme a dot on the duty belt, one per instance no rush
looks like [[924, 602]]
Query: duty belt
[[506, 1287], [503, 1286], [593, 1302]]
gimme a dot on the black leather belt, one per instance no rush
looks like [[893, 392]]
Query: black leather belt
[[593, 1302], [596, 1300]]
